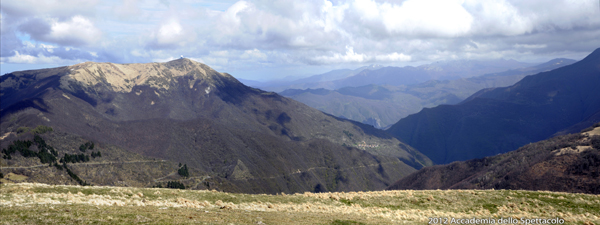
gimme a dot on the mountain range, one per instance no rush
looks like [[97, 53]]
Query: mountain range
[[383, 105], [391, 75], [230, 136], [497, 120]]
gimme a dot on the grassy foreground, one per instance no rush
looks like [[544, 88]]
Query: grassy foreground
[[29, 203]]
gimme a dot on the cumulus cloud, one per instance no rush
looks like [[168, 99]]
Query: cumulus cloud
[[170, 34], [52, 8], [253, 54], [37, 59], [392, 57], [77, 31], [261, 33], [349, 57], [353, 57], [419, 18]]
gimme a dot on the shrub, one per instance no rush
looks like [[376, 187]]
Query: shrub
[[87, 145], [68, 158], [18, 145], [22, 130], [183, 171], [47, 154], [41, 129], [175, 185], [595, 142], [96, 154]]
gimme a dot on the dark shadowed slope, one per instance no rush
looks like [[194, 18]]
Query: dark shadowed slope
[[183, 111], [499, 120], [568, 163]]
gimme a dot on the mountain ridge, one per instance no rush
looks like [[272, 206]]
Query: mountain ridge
[[566, 163], [185, 112], [499, 120], [383, 105]]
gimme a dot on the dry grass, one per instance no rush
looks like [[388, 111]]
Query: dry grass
[[27, 203]]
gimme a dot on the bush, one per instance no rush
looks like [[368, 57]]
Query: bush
[[68, 158], [46, 153], [41, 129], [45, 156], [18, 145], [21, 130], [183, 171], [96, 154], [175, 185], [595, 142], [87, 145]]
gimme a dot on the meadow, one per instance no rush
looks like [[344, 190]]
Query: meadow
[[34, 203]]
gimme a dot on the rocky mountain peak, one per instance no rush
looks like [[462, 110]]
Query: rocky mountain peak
[[123, 77]]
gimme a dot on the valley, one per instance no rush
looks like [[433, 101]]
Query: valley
[[382, 105], [498, 120]]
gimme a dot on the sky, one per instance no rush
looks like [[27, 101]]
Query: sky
[[284, 39]]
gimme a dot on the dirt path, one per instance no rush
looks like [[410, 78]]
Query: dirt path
[[85, 163], [314, 168]]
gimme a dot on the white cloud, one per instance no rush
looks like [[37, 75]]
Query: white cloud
[[171, 34], [52, 8], [392, 57], [260, 33], [78, 31], [423, 18], [253, 54], [39, 59], [49, 48], [349, 57], [223, 53], [530, 46], [498, 17]]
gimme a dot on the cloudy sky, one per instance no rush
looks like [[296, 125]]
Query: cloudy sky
[[273, 39]]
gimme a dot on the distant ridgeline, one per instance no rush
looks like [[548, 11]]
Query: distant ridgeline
[[498, 120]]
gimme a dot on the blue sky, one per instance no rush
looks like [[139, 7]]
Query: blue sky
[[264, 40]]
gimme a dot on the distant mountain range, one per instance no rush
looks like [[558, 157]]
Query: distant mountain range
[[566, 163], [308, 82], [383, 105], [229, 136], [379, 75], [497, 120]]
